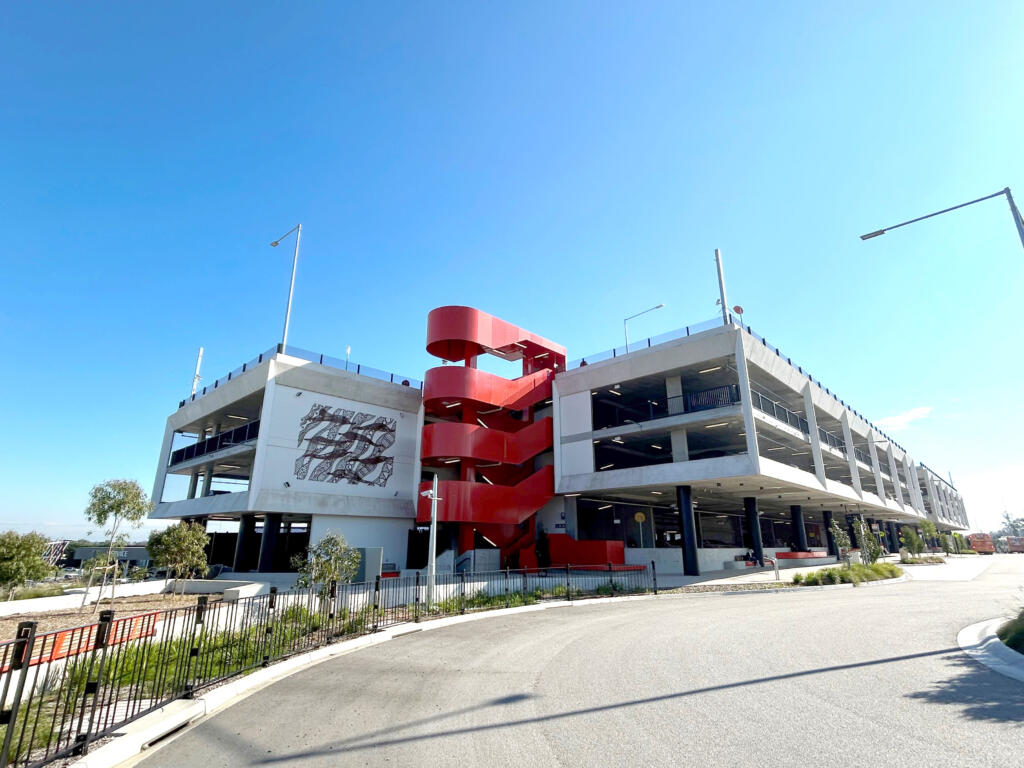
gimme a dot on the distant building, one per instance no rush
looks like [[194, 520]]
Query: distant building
[[132, 555], [692, 450]]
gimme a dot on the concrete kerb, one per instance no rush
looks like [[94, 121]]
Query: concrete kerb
[[136, 737], [980, 642]]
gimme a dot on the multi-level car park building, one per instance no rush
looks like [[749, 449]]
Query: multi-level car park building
[[699, 450]]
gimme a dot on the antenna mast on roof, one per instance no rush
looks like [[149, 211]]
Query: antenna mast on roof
[[196, 377]]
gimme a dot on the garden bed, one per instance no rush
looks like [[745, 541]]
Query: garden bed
[[853, 574], [47, 621], [1012, 633]]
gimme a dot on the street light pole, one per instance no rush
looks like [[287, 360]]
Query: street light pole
[[432, 551], [625, 323], [297, 229], [1014, 212], [721, 287]]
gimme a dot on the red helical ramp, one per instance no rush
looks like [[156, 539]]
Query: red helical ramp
[[481, 429]]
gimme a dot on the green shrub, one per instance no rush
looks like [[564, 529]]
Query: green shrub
[[855, 574], [968, 552], [1012, 633]]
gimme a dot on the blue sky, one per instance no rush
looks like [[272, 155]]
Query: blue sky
[[560, 166]]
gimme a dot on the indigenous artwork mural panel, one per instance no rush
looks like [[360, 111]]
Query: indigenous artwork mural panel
[[345, 445]]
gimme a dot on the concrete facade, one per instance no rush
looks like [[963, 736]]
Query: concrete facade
[[313, 448]]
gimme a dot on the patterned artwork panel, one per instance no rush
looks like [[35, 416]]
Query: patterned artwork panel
[[343, 445]]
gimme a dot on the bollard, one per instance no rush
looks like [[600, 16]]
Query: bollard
[[654, 577], [462, 592], [508, 602], [568, 584], [611, 580]]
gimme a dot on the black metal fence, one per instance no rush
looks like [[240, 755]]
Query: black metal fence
[[61, 690]]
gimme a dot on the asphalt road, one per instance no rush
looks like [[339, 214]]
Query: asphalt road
[[824, 678]]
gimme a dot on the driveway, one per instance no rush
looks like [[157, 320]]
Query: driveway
[[868, 676]]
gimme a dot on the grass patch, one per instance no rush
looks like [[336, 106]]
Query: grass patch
[[926, 560], [27, 593], [1012, 633], [855, 574]]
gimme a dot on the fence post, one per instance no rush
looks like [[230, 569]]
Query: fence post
[[525, 585], [416, 606], [193, 652], [376, 602], [24, 639], [568, 584], [508, 602], [92, 685], [462, 592], [269, 629], [611, 580], [332, 609], [654, 577]]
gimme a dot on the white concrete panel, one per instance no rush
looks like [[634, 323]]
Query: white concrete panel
[[577, 458], [392, 534], [553, 516], [677, 473], [667, 560], [313, 442], [219, 504], [714, 559], [575, 413], [653, 361]]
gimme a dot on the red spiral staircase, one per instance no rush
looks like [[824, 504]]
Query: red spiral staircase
[[481, 428]]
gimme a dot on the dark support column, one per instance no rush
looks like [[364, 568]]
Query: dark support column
[[830, 540], [796, 516], [894, 540], [271, 528], [850, 530], [245, 544], [754, 524], [688, 528]]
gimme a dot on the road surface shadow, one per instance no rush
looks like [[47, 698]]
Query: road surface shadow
[[980, 693], [391, 736]]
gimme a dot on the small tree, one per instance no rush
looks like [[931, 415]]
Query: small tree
[[114, 504], [842, 540], [945, 543], [929, 531], [329, 560], [181, 549], [870, 549], [22, 559], [910, 540]]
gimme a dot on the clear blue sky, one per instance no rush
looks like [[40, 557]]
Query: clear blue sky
[[558, 165]]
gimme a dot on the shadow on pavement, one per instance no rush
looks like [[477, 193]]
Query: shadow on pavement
[[979, 692], [389, 737]]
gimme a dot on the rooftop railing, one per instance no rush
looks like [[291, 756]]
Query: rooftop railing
[[653, 341], [827, 391], [313, 357]]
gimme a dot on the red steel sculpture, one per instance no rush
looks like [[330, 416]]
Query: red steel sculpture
[[481, 429]]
